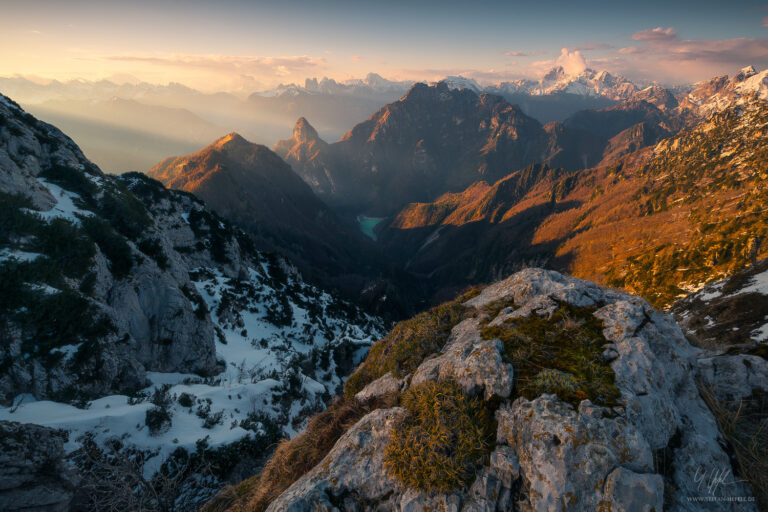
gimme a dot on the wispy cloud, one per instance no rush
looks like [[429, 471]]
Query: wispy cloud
[[765, 21], [280, 66], [662, 54], [658, 34], [666, 45], [515, 54]]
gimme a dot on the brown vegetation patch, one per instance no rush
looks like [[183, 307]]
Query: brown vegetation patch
[[561, 354]]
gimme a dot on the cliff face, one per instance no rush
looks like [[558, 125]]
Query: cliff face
[[546, 392], [93, 295]]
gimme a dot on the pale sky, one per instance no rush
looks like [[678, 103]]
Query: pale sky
[[252, 45]]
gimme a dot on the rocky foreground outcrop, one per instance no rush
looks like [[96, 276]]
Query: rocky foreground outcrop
[[33, 473], [654, 446]]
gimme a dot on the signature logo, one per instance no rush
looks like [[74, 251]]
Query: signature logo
[[713, 480]]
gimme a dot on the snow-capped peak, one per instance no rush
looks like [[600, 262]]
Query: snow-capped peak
[[744, 73], [460, 82], [719, 93], [752, 83]]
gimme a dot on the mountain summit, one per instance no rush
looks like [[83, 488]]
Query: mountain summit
[[252, 186], [434, 139]]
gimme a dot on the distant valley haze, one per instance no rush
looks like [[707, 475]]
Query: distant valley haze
[[161, 79]]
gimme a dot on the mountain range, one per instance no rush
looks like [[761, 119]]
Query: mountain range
[[222, 330], [117, 145], [490, 187], [439, 139]]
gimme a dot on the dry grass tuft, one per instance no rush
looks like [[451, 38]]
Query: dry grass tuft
[[446, 437], [744, 424], [295, 457]]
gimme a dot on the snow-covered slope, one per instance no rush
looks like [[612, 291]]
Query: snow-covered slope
[[460, 82], [730, 312], [133, 317]]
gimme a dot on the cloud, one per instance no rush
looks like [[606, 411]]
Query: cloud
[[573, 62], [515, 54], [661, 54], [280, 66], [664, 44], [765, 21], [656, 34], [356, 58]]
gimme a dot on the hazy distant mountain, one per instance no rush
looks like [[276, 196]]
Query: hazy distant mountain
[[125, 135], [372, 84], [265, 117], [333, 106]]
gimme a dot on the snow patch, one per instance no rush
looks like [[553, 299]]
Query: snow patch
[[65, 207]]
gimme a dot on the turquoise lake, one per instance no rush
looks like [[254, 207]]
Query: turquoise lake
[[367, 224]]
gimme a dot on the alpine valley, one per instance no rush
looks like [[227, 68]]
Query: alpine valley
[[534, 295]]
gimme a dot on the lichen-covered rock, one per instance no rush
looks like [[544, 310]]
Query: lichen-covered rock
[[646, 453], [475, 363], [732, 377], [33, 474], [627, 491], [566, 455], [387, 384], [352, 474]]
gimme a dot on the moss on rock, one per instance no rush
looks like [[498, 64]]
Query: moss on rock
[[561, 354]]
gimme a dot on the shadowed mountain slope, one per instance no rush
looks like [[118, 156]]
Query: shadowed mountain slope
[[438, 139], [253, 187]]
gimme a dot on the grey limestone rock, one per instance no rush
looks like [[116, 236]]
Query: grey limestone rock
[[33, 473], [548, 454]]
